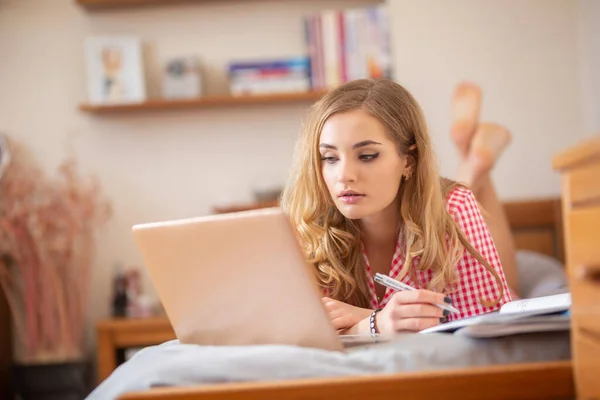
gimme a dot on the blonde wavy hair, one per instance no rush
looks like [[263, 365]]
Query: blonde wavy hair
[[332, 242]]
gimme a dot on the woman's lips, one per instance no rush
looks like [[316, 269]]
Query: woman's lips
[[352, 198]]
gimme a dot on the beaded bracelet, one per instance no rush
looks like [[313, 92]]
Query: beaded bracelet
[[374, 330]]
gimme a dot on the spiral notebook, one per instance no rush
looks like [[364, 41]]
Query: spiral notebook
[[538, 314]]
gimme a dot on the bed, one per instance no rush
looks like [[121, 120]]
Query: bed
[[536, 366]]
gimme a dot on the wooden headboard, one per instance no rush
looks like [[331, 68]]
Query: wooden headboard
[[537, 226]]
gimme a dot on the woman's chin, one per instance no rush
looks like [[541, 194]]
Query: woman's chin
[[353, 211]]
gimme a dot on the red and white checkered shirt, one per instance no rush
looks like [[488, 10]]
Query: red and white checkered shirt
[[474, 280]]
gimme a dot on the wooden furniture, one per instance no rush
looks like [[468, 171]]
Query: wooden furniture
[[580, 168], [100, 4], [116, 334], [536, 225], [245, 207], [96, 4], [521, 381], [5, 349], [203, 102]]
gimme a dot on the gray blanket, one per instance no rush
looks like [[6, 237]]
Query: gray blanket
[[175, 364]]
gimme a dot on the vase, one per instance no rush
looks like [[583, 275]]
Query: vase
[[51, 381]]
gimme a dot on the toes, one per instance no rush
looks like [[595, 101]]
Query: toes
[[488, 143], [465, 114], [491, 137]]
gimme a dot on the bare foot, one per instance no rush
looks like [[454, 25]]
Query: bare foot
[[487, 145], [465, 115]]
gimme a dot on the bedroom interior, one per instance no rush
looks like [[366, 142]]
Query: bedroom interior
[[177, 122]]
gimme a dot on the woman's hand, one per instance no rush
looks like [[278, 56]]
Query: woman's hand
[[412, 310], [344, 316]]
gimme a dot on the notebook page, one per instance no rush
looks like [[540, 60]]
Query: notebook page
[[544, 304]]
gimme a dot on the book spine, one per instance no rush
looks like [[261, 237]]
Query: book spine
[[330, 48], [309, 38], [341, 47]]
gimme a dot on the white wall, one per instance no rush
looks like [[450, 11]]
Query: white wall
[[522, 53], [589, 57], [176, 164]]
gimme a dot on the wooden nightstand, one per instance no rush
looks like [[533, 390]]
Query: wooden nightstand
[[580, 170], [117, 334]]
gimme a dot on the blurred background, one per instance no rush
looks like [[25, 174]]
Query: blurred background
[[186, 108]]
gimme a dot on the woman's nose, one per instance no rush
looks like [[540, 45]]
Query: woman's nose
[[347, 172]]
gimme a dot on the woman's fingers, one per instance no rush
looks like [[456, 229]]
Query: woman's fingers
[[420, 296], [342, 322], [415, 324], [329, 304], [415, 310], [337, 314], [418, 310], [339, 317]]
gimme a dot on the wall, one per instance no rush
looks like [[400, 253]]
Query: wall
[[589, 57], [177, 164], [524, 56]]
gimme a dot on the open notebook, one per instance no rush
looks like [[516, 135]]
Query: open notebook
[[539, 314]]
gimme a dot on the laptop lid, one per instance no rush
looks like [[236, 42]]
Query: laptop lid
[[235, 279]]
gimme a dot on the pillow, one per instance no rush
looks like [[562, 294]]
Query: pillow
[[540, 275]]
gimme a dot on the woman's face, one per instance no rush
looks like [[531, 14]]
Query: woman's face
[[360, 164]]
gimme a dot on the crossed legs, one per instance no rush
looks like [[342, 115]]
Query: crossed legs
[[480, 146]]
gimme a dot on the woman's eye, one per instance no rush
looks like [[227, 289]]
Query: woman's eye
[[368, 157], [329, 159]]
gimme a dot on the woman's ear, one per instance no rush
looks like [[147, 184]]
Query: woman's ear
[[408, 173], [410, 164]]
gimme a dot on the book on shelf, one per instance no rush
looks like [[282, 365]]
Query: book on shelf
[[348, 44], [268, 76], [341, 45], [539, 314]]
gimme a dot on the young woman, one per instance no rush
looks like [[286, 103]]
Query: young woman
[[365, 196]]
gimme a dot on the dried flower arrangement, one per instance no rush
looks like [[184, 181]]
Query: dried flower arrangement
[[47, 238]]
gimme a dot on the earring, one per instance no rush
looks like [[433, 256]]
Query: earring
[[407, 175]]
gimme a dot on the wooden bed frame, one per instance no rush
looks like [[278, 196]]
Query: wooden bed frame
[[537, 225]]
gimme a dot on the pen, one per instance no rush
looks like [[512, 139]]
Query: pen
[[397, 285]]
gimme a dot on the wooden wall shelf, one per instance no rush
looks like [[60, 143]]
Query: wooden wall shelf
[[245, 207], [100, 4], [203, 102], [97, 4]]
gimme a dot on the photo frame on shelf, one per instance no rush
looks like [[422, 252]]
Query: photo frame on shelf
[[182, 78], [4, 154], [114, 69]]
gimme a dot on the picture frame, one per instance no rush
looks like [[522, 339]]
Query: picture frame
[[182, 78], [114, 69], [5, 155]]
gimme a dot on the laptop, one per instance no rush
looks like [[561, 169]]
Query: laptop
[[238, 279]]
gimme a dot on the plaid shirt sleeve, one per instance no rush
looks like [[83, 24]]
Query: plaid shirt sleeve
[[474, 279]]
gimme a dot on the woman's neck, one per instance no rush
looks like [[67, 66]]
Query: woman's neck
[[381, 230]]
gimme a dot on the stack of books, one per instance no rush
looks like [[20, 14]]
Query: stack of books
[[256, 77], [341, 45], [345, 45]]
